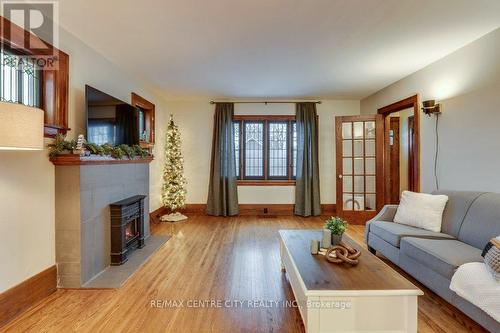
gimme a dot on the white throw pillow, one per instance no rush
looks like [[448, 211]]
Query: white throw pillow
[[421, 210]]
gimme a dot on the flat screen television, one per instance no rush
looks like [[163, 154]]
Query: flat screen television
[[110, 120]]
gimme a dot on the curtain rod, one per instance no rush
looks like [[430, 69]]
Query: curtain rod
[[268, 102]]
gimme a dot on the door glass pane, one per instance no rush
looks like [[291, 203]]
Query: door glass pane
[[359, 166], [370, 184], [347, 148], [359, 184], [371, 203], [347, 166], [347, 183], [348, 201], [358, 130], [347, 130], [370, 166], [359, 202], [370, 147], [370, 130], [358, 148]]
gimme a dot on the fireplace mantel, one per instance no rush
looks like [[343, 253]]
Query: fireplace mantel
[[73, 159]]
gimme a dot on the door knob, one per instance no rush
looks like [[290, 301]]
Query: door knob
[[340, 176]]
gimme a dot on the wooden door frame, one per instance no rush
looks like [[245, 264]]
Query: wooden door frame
[[360, 217], [412, 176], [407, 103]]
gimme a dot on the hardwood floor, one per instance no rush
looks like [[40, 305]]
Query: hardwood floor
[[207, 259]]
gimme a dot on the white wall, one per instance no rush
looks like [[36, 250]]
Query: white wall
[[195, 119], [467, 83], [27, 178]]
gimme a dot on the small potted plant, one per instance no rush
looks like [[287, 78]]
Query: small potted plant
[[337, 227]]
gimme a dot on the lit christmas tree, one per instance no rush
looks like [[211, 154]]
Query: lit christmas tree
[[174, 183]]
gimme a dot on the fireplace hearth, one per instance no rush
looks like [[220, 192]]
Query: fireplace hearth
[[127, 228]]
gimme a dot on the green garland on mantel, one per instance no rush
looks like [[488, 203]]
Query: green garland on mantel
[[62, 145]]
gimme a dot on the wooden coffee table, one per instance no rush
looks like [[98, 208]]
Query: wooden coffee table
[[369, 297]]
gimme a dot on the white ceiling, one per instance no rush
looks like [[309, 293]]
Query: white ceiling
[[276, 48]]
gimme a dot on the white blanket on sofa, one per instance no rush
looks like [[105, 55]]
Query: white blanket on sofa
[[473, 282]]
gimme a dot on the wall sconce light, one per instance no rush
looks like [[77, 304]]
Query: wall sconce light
[[430, 107], [21, 127]]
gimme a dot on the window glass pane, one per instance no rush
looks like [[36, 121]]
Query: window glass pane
[[19, 80], [26, 88], [278, 149], [236, 128], [347, 130], [358, 130], [294, 149], [142, 126], [254, 149]]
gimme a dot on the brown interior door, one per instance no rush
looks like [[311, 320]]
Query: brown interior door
[[393, 145], [359, 156]]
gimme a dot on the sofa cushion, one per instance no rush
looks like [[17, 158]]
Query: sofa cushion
[[441, 255], [454, 213], [393, 232], [421, 210], [482, 222]]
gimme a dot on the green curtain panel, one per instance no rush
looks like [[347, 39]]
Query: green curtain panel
[[307, 199], [223, 191]]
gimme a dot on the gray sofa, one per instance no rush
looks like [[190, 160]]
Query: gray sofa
[[470, 220]]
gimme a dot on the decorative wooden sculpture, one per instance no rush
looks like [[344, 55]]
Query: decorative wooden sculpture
[[343, 253]]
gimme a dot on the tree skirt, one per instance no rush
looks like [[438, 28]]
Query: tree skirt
[[174, 217]]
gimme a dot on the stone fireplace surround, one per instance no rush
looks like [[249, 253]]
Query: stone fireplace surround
[[83, 195]]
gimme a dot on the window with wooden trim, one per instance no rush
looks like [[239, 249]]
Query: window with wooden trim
[[266, 150], [46, 88], [146, 115], [20, 81]]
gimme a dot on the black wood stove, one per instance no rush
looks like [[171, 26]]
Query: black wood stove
[[127, 228]]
